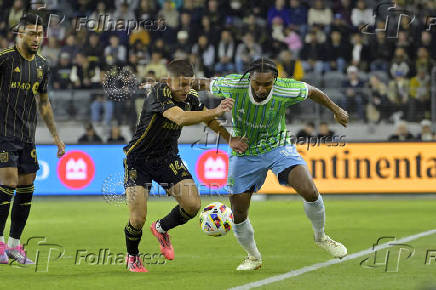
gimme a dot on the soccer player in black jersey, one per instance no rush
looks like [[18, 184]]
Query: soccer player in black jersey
[[23, 90], [152, 154]]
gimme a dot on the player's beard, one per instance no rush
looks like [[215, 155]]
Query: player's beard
[[258, 98], [29, 49]]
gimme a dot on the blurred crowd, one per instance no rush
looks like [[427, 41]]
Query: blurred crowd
[[309, 131], [378, 70], [90, 136], [402, 132]]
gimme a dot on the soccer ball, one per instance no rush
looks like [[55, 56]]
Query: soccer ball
[[216, 219]]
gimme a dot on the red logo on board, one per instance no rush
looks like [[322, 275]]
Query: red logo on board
[[212, 168], [76, 169]]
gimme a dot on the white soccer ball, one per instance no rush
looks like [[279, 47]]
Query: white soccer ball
[[216, 219]]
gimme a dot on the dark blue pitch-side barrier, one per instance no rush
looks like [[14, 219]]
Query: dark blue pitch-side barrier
[[98, 169]]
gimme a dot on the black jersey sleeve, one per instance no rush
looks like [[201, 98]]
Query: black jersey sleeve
[[161, 99], [42, 89], [3, 61], [196, 104]]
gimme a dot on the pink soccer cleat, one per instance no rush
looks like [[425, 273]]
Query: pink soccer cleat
[[165, 244], [3, 256], [18, 254], [134, 264]]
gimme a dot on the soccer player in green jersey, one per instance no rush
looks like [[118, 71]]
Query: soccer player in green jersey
[[260, 102]]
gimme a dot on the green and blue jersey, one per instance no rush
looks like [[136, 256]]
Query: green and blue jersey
[[262, 123]]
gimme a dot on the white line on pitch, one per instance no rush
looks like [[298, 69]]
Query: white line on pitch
[[314, 267]]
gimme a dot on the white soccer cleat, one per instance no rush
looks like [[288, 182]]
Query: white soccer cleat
[[334, 248], [250, 263]]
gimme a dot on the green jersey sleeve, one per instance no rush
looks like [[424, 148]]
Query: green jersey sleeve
[[294, 91], [228, 85]]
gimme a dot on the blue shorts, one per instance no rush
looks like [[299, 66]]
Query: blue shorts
[[248, 171]]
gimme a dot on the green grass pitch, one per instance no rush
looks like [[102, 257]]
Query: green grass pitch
[[283, 234]]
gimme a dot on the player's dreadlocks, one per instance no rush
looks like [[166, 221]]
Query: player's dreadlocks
[[262, 65]]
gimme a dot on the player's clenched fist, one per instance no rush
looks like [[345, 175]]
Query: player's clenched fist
[[239, 144], [341, 116], [225, 106], [61, 147]]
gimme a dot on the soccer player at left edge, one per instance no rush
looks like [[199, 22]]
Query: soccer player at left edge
[[23, 90]]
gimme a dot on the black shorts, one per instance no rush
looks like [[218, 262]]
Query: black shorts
[[17, 154], [167, 171]]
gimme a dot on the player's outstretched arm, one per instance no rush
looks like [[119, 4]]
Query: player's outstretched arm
[[186, 118], [341, 116], [46, 112], [239, 144]]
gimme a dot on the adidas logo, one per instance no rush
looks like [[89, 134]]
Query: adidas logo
[[17, 69], [241, 111]]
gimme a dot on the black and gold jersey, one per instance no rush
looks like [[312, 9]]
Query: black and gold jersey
[[155, 135], [20, 81]]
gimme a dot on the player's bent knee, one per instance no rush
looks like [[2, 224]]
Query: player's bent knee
[[310, 193], [196, 207], [136, 195], [192, 208], [137, 221]]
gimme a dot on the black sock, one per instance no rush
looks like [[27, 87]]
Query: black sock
[[6, 194], [178, 216], [133, 237], [20, 210]]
